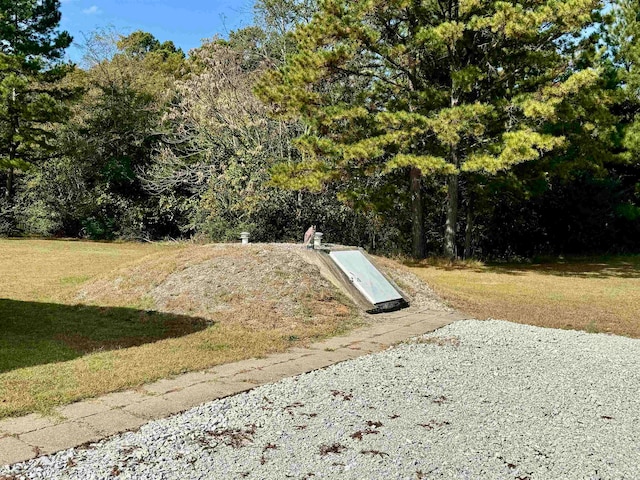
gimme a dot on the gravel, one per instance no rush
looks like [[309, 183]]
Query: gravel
[[476, 399]]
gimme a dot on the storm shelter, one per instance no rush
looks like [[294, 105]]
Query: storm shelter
[[368, 280]]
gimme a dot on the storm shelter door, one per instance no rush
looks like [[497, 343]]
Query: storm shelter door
[[365, 276]]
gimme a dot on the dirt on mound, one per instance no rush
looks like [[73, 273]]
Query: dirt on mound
[[256, 286]]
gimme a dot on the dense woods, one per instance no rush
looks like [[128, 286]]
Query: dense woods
[[460, 128]]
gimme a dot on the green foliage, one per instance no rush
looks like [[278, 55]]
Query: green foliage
[[213, 172], [624, 42], [441, 87], [584, 214], [92, 188], [514, 124], [28, 32], [624, 33]]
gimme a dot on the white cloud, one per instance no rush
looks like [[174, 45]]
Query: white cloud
[[92, 10]]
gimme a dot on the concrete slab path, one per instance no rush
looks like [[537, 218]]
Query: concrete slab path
[[90, 420]]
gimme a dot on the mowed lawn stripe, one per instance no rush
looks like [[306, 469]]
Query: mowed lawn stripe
[[43, 270]]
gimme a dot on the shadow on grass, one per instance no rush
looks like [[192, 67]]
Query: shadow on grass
[[38, 333], [579, 267]]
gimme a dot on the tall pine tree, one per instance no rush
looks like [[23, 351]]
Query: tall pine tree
[[625, 43], [441, 87], [31, 49]]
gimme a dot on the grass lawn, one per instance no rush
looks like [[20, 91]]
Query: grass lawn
[[54, 351], [45, 270], [592, 294]]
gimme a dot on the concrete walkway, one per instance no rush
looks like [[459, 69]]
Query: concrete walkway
[[26, 437]]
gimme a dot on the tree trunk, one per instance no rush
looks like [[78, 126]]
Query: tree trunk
[[450, 249], [468, 233], [8, 194], [417, 214]]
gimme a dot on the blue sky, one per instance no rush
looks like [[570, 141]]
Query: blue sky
[[186, 22]]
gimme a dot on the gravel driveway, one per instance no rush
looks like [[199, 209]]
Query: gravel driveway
[[476, 399]]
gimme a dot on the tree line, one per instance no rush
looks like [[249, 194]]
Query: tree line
[[461, 128]]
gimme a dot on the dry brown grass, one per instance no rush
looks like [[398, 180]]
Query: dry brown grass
[[44, 270], [256, 300], [41, 387], [596, 295], [259, 287]]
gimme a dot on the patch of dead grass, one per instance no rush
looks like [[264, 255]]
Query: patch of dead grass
[[595, 295]]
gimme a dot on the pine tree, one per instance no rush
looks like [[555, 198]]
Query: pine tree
[[625, 42], [441, 88], [622, 39], [31, 50]]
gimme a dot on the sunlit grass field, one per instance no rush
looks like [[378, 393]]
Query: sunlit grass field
[[591, 294], [44, 270], [54, 350]]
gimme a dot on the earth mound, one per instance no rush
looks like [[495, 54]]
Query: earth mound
[[257, 286]]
